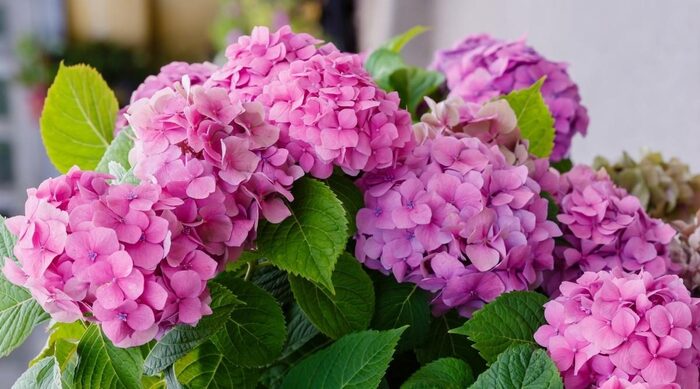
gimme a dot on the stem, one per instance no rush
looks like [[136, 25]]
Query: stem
[[249, 270]]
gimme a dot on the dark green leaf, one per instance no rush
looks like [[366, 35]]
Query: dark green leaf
[[274, 281], [309, 241], [349, 309], [77, 123], [563, 166], [442, 344], [509, 320], [413, 84], [183, 338], [348, 194], [445, 373], [299, 331], [355, 361], [102, 365], [520, 367], [399, 305], [534, 119], [255, 332], [208, 366]]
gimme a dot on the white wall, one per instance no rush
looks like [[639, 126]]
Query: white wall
[[637, 62]]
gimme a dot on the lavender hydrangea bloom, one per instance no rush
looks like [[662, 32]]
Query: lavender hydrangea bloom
[[481, 68]]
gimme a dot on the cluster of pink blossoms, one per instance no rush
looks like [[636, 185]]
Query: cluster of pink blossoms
[[458, 220], [481, 68], [328, 109], [94, 251], [617, 329], [218, 155], [169, 74], [604, 228]]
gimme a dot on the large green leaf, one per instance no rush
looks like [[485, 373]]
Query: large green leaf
[[255, 332], [445, 373], [209, 366], [441, 343], [274, 281], [44, 374], [299, 331], [402, 304], [349, 309], [62, 342], [77, 123], [534, 119], [309, 241], [520, 367], [509, 320], [381, 64], [102, 365], [348, 194], [355, 361], [183, 338], [19, 313]]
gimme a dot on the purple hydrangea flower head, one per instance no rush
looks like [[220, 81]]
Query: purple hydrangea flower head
[[605, 227], [616, 329], [458, 220], [481, 68], [104, 253]]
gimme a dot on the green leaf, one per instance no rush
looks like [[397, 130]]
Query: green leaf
[[349, 309], [102, 365], [355, 361], [445, 373], [274, 281], [255, 332], [509, 320], [7, 242], [308, 242], [118, 151], [564, 165], [381, 64], [397, 43], [42, 375], [534, 119], [299, 331], [552, 207], [441, 343], [413, 84], [62, 342], [348, 194], [77, 123], [402, 304], [183, 338], [208, 366], [521, 367]]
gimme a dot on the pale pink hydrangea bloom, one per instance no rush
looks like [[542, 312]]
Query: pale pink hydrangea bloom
[[458, 220], [218, 155], [328, 108], [481, 68], [618, 329], [605, 227], [87, 250]]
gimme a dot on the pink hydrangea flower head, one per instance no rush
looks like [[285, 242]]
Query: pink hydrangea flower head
[[196, 73], [90, 250], [614, 329], [458, 220], [480, 68], [605, 227], [217, 154], [327, 107]]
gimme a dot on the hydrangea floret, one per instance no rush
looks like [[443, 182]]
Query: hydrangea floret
[[614, 329]]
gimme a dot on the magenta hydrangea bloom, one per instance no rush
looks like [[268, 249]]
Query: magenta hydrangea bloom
[[616, 329], [481, 68], [605, 227], [217, 154], [104, 253], [196, 73], [328, 108], [458, 220]]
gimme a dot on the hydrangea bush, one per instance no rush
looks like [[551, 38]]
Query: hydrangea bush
[[300, 217]]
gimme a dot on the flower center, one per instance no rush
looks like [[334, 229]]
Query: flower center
[[92, 255], [131, 196], [121, 316], [143, 237], [378, 212], [410, 204]]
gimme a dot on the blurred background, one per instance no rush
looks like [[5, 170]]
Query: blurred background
[[637, 63]]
